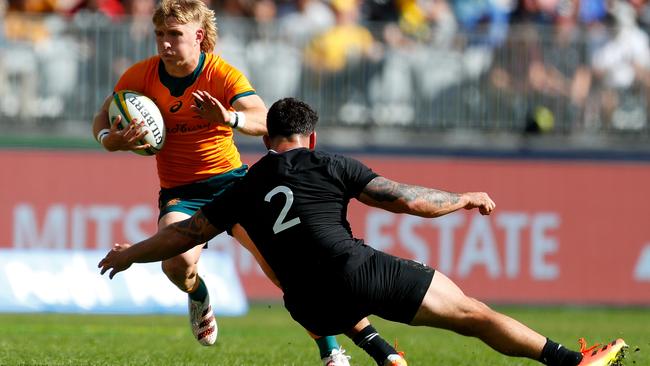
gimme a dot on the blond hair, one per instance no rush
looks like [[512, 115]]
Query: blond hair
[[189, 11]]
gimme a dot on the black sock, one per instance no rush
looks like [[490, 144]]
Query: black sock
[[373, 344], [555, 354]]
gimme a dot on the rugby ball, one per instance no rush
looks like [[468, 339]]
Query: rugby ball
[[130, 104]]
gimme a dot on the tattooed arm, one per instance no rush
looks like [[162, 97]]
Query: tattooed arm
[[420, 201], [170, 241]]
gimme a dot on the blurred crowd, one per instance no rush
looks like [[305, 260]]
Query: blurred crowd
[[529, 65]]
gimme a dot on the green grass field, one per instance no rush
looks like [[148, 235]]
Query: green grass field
[[268, 336]]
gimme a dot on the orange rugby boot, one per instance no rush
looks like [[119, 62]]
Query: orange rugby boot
[[610, 354], [396, 359]]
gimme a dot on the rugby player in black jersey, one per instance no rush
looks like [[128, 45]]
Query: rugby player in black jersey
[[293, 206]]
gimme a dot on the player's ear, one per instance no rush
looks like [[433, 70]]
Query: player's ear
[[267, 141], [312, 140], [200, 35]]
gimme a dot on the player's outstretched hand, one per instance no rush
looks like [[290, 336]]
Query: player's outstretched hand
[[116, 260], [127, 138], [209, 107], [480, 200]]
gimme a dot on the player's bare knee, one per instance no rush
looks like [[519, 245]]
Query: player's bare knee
[[474, 318], [179, 273]]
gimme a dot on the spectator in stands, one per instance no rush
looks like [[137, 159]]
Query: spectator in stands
[[347, 42], [423, 35], [386, 11], [33, 6], [23, 25], [275, 77], [622, 68], [18, 59], [562, 78], [3, 11], [232, 8], [491, 15], [110, 9], [4, 85], [392, 91], [310, 18], [46, 76], [347, 55], [642, 8], [100, 23], [264, 11], [135, 42], [445, 48], [509, 91], [538, 11]]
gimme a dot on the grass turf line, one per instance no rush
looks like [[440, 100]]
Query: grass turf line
[[268, 336]]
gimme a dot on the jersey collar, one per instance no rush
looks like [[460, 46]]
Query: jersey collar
[[177, 86]]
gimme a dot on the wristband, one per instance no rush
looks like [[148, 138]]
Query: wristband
[[102, 134], [237, 120]]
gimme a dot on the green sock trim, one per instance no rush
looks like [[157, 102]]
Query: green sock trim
[[326, 345], [200, 293]]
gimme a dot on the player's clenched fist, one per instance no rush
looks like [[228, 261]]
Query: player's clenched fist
[[480, 200]]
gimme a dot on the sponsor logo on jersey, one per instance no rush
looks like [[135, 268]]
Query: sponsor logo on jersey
[[186, 128], [176, 106], [173, 202]]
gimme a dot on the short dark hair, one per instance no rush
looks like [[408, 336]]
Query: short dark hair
[[290, 116]]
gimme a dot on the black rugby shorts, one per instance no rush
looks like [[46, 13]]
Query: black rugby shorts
[[387, 286]]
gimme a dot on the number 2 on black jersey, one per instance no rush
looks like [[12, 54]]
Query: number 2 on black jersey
[[280, 225]]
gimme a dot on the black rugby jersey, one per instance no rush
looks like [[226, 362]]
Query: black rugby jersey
[[293, 206]]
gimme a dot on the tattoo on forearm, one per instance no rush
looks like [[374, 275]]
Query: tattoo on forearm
[[384, 190], [196, 228]]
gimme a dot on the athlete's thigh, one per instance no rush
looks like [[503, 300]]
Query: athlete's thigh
[[240, 234], [172, 217], [190, 257], [444, 304]]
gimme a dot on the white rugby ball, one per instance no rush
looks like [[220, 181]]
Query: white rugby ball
[[130, 104]]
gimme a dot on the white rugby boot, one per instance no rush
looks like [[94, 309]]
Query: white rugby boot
[[204, 325], [337, 358]]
